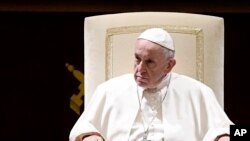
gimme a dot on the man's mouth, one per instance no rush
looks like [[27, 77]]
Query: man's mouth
[[141, 78]]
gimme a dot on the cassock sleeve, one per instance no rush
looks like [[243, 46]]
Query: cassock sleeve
[[218, 122], [91, 119]]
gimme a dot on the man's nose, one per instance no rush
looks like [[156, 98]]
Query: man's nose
[[141, 67]]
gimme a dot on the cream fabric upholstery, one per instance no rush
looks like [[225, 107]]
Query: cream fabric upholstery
[[109, 42]]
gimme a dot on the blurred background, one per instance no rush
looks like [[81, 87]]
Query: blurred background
[[42, 60]]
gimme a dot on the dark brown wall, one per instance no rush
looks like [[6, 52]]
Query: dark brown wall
[[37, 39]]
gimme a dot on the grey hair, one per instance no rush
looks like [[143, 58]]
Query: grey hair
[[169, 53]]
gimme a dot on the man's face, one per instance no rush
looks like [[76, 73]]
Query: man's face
[[151, 64]]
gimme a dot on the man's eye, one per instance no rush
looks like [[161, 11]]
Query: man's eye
[[149, 61], [137, 61]]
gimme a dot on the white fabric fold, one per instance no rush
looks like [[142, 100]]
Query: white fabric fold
[[190, 111]]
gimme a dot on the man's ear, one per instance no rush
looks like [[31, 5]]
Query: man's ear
[[170, 65]]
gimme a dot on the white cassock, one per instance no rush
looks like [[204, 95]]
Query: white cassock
[[190, 112]]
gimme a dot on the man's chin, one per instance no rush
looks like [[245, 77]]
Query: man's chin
[[141, 84]]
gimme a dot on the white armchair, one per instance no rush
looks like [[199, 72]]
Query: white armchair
[[109, 42]]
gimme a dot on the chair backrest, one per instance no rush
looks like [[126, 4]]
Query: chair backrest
[[109, 42]]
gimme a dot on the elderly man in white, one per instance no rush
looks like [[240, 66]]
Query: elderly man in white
[[153, 104]]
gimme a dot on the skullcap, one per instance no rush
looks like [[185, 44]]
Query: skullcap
[[158, 36]]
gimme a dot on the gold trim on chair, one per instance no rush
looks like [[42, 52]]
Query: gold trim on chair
[[198, 32]]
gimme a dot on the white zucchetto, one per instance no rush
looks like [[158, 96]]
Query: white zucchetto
[[158, 36]]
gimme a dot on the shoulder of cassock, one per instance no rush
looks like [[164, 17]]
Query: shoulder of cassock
[[204, 98], [187, 83]]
